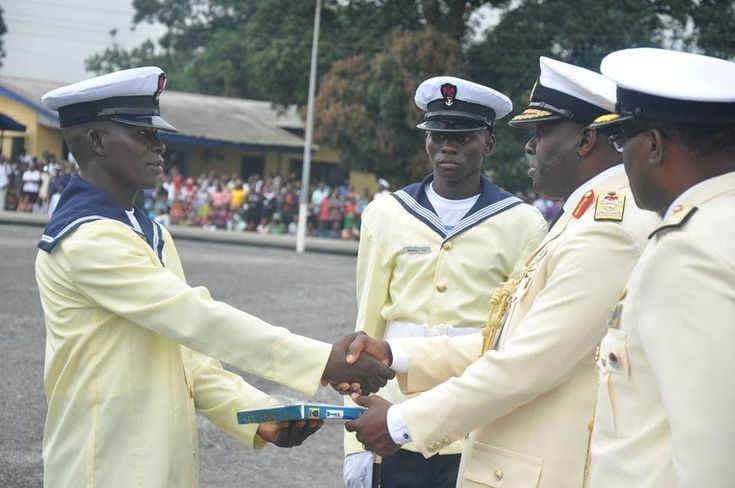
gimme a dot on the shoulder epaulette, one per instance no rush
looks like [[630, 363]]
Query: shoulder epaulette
[[610, 206], [679, 216]]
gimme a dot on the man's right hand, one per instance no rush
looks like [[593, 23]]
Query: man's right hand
[[367, 371], [378, 349]]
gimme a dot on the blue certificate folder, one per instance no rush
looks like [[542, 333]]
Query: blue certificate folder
[[299, 411]]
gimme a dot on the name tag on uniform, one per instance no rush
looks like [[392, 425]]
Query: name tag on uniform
[[417, 249]]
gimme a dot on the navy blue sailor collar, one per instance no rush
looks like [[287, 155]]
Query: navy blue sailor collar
[[81, 203], [492, 201]]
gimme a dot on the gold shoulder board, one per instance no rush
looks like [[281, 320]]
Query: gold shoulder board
[[610, 206]]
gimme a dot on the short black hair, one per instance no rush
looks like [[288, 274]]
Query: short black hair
[[699, 139]]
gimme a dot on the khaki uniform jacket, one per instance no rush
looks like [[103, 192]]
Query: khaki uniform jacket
[[527, 403], [667, 368], [407, 271], [127, 365]]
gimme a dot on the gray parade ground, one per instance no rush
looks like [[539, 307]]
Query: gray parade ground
[[312, 294]]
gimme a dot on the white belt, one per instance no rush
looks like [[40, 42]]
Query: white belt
[[399, 330]]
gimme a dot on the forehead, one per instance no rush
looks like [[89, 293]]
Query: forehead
[[457, 134]]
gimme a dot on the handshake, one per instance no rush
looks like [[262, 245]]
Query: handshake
[[357, 365]]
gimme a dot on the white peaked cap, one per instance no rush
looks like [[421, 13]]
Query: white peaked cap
[[659, 84], [129, 96], [456, 105], [567, 91]]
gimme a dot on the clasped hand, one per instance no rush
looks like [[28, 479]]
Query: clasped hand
[[349, 371]]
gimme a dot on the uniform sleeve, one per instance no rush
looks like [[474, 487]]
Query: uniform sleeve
[[374, 270], [219, 394], [687, 329], [432, 361], [563, 326], [117, 270]]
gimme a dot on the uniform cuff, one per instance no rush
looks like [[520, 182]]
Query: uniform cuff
[[397, 428], [400, 357]]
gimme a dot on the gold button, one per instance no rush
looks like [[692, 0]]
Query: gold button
[[441, 287], [193, 453], [498, 473], [677, 209], [623, 293], [447, 246]]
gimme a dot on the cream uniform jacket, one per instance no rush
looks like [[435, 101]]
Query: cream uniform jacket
[[664, 413], [413, 272], [528, 402], [126, 370]]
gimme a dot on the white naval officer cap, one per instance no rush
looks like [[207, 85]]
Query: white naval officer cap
[[456, 105], [129, 97], [567, 91], [659, 84]]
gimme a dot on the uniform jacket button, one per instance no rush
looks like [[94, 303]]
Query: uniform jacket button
[[441, 287], [498, 474], [447, 246]]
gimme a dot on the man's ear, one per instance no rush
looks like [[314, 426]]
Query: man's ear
[[96, 143], [655, 146], [489, 144], [587, 141]]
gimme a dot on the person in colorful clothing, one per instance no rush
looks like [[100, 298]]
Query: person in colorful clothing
[[432, 254]]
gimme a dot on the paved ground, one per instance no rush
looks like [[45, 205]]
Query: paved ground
[[312, 294]]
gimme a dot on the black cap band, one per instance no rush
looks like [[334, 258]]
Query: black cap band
[[458, 117], [108, 108], [651, 107], [565, 105]]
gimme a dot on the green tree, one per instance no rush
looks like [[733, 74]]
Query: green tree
[[580, 32], [3, 31], [365, 105]]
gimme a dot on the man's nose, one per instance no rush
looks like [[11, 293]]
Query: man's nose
[[159, 146], [531, 146], [450, 145]]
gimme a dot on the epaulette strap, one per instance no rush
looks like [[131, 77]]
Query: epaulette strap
[[679, 216], [583, 204]]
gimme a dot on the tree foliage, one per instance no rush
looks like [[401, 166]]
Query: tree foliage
[[3, 31], [373, 53]]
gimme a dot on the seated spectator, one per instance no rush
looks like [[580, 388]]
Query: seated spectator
[[277, 226]]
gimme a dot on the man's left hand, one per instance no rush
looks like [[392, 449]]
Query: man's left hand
[[288, 434], [372, 426]]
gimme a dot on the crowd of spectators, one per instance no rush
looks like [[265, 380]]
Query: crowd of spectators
[[267, 205], [29, 184]]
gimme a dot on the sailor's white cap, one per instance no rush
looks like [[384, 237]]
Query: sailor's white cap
[[456, 105], [129, 96], [659, 84], [567, 91]]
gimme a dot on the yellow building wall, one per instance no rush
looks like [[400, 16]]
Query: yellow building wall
[[46, 139], [359, 180], [37, 138]]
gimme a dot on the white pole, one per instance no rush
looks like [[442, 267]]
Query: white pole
[[306, 169]]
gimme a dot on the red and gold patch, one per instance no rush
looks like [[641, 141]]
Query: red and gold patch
[[610, 206]]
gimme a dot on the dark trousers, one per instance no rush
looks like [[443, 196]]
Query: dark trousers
[[406, 469]]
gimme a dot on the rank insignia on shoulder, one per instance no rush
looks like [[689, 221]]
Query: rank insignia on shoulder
[[679, 216], [583, 203], [610, 206]]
